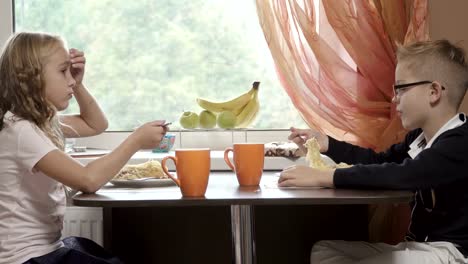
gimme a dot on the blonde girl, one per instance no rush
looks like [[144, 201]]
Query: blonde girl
[[38, 78]]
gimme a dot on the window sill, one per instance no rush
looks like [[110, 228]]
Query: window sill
[[213, 139]]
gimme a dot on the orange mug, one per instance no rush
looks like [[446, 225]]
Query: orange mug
[[192, 168], [248, 160]]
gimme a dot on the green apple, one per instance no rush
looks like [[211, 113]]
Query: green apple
[[207, 119], [189, 120], [226, 119]]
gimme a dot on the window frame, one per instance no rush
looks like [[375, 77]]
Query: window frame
[[6, 25], [216, 139]]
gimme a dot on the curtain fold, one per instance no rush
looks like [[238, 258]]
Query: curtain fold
[[336, 61]]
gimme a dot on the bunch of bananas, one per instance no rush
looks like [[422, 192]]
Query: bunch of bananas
[[245, 107]]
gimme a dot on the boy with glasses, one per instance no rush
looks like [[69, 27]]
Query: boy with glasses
[[431, 81]]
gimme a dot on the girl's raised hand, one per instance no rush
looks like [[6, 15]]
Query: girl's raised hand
[[77, 68], [150, 134]]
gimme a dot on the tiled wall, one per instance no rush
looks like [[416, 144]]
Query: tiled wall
[[215, 140]]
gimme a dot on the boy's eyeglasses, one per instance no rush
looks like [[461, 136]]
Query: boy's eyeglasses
[[399, 88]]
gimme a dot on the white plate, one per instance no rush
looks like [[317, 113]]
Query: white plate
[[142, 183], [89, 152]]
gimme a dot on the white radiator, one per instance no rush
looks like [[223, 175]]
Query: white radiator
[[83, 222]]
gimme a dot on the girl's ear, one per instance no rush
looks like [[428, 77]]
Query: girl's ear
[[435, 92]]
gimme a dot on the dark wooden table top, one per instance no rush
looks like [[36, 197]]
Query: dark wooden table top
[[223, 189]]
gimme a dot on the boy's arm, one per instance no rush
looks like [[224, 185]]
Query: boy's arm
[[445, 162], [341, 151]]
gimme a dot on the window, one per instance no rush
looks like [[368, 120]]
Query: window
[[151, 59]]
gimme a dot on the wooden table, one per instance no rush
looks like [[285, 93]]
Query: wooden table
[[121, 205]]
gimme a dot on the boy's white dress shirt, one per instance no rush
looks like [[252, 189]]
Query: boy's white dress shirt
[[416, 147]]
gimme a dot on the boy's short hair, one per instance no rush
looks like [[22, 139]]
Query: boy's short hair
[[438, 60]]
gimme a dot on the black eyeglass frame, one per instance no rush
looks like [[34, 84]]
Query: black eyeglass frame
[[401, 86]]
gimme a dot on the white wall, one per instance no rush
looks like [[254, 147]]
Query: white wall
[[448, 19], [6, 21]]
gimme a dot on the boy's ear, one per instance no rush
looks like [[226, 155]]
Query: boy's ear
[[435, 92]]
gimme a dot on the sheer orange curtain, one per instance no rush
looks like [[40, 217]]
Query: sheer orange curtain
[[336, 61]]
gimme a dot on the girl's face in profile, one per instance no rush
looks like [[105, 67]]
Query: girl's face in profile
[[58, 79]]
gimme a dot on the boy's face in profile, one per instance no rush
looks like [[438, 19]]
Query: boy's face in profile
[[411, 103]]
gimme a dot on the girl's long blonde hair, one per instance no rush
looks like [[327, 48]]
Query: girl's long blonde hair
[[22, 87]]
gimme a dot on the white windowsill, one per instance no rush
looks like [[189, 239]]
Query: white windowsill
[[213, 139]]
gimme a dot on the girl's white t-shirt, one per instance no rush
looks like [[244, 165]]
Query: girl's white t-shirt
[[32, 204]]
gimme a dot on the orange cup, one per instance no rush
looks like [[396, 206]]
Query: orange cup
[[193, 170], [248, 160]]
